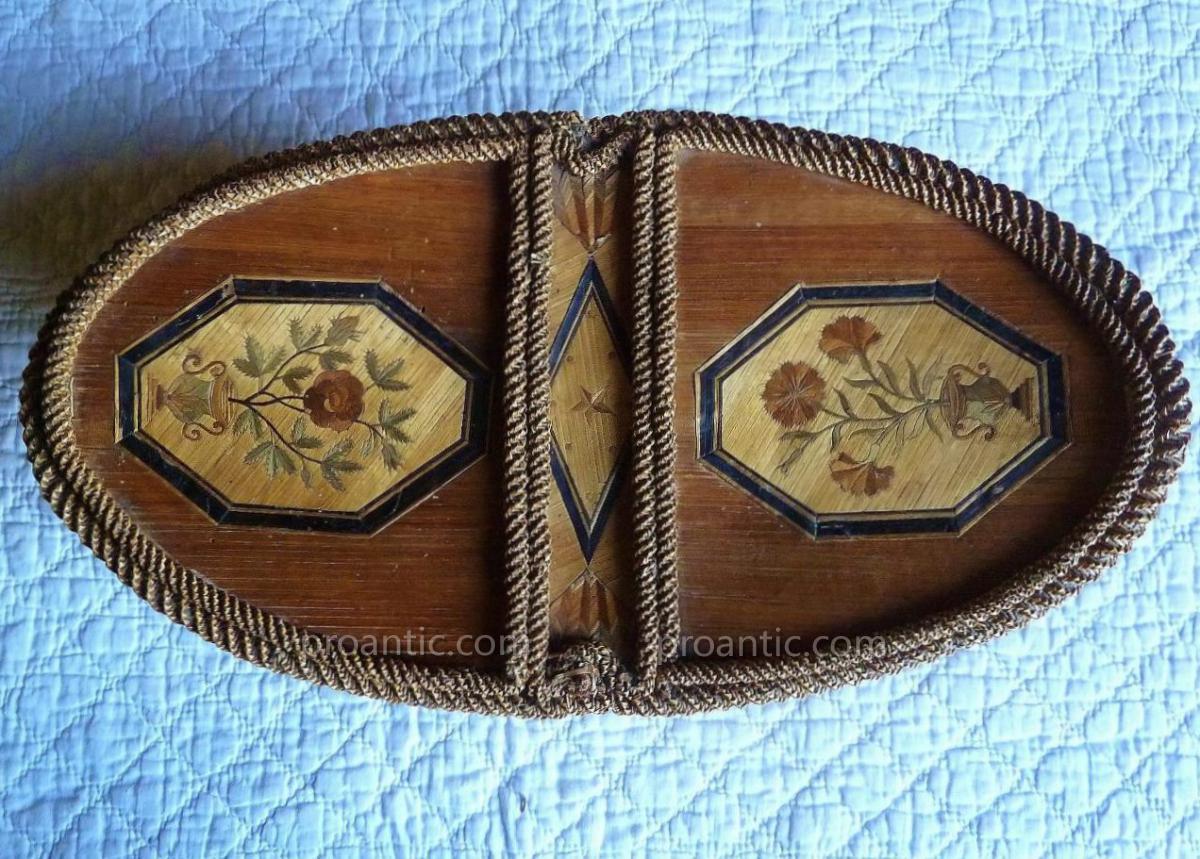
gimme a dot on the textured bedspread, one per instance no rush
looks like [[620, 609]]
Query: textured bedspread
[[123, 734]]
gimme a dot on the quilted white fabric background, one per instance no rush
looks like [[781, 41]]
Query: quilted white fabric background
[[122, 734]]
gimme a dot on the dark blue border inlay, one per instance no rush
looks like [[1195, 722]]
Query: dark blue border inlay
[[1052, 384], [471, 446], [588, 532]]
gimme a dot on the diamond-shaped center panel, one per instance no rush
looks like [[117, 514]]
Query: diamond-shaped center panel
[[318, 405], [590, 402]]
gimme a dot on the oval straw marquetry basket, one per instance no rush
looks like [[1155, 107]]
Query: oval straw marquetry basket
[[656, 413]]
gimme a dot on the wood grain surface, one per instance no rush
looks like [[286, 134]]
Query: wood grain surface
[[749, 232], [438, 235], [743, 570]]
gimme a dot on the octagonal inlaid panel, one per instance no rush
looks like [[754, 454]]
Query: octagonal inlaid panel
[[890, 409], [298, 404]]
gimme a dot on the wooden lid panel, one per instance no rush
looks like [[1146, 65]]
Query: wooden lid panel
[[434, 241], [744, 567], [538, 415]]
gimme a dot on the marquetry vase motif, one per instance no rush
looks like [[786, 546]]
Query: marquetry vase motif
[[898, 406], [199, 397], [305, 420], [971, 408]]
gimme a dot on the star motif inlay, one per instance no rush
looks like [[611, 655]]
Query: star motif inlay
[[589, 386], [592, 404]]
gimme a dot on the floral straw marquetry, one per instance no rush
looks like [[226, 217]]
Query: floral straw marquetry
[[883, 409], [322, 412], [696, 260], [256, 398], [334, 401], [865, 410]]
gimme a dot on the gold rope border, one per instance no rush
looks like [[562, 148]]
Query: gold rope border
[[75, 494], [1109, 297]]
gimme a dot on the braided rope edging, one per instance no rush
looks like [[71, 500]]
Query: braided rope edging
[[1109, 297], [76, 496]]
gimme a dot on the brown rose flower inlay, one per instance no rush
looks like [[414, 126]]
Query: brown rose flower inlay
[[334, 400], [203, 399]]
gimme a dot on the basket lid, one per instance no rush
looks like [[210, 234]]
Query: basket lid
[[653, 413]]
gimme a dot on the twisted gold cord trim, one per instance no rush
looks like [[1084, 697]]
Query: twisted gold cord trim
[[645, 450], [516, 448], [586, 678], [538, 383]]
